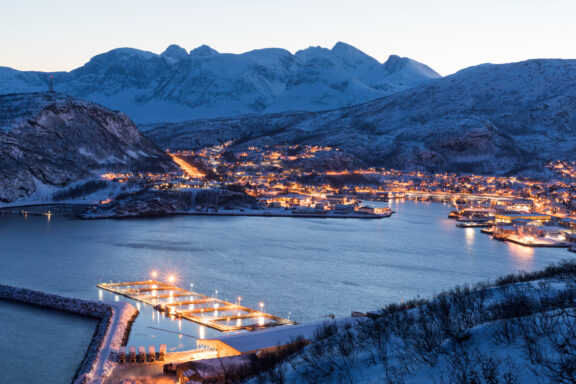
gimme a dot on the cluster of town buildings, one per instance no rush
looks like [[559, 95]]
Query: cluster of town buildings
[[310, 179]]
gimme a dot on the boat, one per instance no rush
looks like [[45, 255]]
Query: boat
[[499, 236], [474, 224]]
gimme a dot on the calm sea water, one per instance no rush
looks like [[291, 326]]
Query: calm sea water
[[30, 351], [300, 268]]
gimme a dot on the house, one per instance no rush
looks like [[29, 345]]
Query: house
[[366, 210]]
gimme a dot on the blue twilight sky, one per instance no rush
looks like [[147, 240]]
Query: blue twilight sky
[[448, 35]]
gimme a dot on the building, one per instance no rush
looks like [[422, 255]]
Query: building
[[264, 340], [508, 218]]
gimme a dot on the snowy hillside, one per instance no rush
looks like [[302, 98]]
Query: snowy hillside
[[50, 141], [178, 86], [492, 119], [519, 329]]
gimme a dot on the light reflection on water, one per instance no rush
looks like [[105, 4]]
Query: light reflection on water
[[306, 267], [523, 256], [469, 234]]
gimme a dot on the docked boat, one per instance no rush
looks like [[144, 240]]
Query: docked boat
[[500, 236], [474, 224]]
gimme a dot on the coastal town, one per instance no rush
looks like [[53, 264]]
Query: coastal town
[[194, 192], [315, 181]]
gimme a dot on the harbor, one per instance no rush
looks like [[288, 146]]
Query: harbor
[[209, 311], [238, 256], [516, 221]]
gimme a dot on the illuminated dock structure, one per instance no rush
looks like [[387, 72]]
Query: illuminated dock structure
[[205, 310]]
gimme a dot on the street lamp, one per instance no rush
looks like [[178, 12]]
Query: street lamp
[[154, 274], [261, 307]]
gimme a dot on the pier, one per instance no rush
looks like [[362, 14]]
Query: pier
[[212, 312]]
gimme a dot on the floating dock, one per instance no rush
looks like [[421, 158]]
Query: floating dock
[[205, 310]]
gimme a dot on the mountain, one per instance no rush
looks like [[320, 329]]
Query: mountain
[[177, 86], [490, 119], [51, 140]]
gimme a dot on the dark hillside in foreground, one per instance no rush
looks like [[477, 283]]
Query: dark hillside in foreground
[[51, 140]]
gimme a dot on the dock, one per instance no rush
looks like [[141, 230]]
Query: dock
[[209, 311], [537, 242]]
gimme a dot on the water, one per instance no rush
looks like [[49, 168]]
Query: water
[[299, 268], [30, 352]]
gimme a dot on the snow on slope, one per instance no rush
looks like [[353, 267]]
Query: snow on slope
[[513, 331], [176, 86], [491, 119], [52, 141]]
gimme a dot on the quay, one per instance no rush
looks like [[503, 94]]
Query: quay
[[536, 242], [208, 311]]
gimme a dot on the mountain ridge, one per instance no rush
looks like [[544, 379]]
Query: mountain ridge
[[489, 119], [176, 86]]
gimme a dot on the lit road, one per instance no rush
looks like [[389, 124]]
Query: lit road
[[188, 168]]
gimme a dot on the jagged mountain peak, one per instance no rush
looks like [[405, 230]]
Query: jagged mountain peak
[[408, 69], [126, 53], [175, 52], [312, 52], [203, 50], [351, 53]]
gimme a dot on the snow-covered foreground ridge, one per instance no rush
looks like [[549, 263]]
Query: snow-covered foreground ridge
[[112, 327], [518, 329]]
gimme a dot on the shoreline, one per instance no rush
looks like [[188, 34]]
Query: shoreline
[[245, 214]]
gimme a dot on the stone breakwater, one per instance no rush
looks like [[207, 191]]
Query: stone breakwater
[[111, 329]]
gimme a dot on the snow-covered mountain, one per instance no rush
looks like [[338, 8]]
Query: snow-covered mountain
[[51, 140], [486, 119], [177, 85]]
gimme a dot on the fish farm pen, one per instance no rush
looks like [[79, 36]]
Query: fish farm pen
[[218, 314]]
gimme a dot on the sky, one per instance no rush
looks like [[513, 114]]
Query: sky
[[447, 35]]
